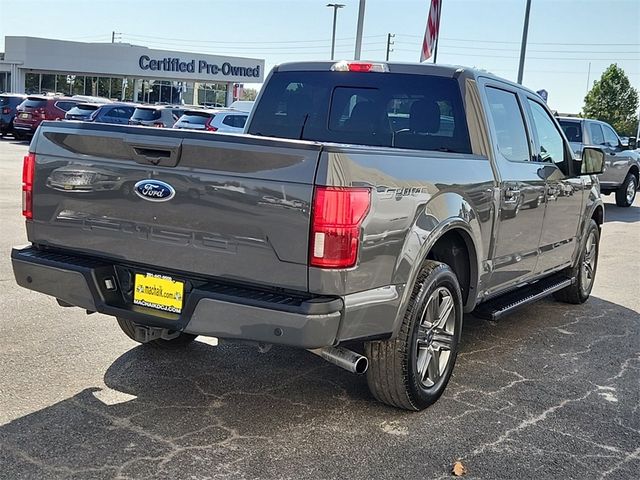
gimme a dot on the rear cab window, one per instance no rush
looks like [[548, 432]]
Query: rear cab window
[[572, 130], [146, 114], [423, 112]]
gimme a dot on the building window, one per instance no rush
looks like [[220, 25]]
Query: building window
[[63, 84], [212, 94], [5, 81], [32, 83], [47, 83], [77, 84], [116, 88]]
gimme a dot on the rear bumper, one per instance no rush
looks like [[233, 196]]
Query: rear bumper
[[210, 309]]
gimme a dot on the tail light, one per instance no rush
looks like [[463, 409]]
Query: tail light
[[6, 110], [335, 227], [158, 124], [28, 172], [210, 128], [362, 67]]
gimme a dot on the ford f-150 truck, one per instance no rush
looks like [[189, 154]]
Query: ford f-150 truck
[[367, 208], [622, 163]]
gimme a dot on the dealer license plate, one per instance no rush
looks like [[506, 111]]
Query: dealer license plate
[[158, 291]]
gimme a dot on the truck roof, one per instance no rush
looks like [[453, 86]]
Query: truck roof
[[404, 67]]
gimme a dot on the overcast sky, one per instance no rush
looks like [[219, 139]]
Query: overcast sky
[[565, 36]]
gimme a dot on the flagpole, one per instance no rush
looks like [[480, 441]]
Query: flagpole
[[435, 49]]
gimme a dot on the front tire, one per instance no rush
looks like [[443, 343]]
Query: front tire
[[585, 271], [626, 194], [412, 370], [180, 341]]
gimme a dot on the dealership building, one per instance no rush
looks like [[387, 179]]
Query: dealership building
[[123, 71]]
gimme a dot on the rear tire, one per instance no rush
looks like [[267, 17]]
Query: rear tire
[[626, 194], [412, 370], [585, 270], [182, 340]]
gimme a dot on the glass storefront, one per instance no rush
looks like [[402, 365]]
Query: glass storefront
[[212, 94], [5, 82], [119, 88], [108, 87]]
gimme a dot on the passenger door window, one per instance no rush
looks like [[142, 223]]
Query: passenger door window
[[597, 137], [508, 124], [610, 137], [550, 144]]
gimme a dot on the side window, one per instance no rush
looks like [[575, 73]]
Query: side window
[[595, 131], [509, 125], [610, 136], [551, 145], [241, 120], [229, 120]]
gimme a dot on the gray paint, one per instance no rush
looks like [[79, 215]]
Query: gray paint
[[229, 320], [252, 226]]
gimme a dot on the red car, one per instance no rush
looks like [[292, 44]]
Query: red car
[[37, 108]]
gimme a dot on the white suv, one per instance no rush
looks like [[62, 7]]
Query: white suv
[[218, 120]]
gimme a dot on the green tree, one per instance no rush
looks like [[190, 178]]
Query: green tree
[[613, 100], [249, 94]]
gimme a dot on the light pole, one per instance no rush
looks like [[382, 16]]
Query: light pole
[[523, 46], [335, 7]]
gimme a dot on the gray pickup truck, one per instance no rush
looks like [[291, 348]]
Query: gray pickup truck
[[622, 162], [367, 208]]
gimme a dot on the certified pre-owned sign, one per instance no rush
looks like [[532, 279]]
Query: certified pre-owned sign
[[201, 66]]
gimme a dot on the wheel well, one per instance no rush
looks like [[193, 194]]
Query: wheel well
[[598, 216], [634, 170], [456, 250]]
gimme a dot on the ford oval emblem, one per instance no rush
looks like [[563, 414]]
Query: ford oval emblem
[[154, 190]]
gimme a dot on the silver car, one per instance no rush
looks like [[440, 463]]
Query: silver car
[[213, 120], [161, 116]]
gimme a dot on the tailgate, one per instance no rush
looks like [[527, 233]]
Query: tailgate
[[239, 211]]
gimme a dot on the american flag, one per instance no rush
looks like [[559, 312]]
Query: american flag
[[431, 33]]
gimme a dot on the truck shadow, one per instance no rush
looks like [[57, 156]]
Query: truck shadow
[[613, 213], [212, 411]]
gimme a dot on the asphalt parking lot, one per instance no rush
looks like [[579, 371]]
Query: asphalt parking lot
[[552, 391]]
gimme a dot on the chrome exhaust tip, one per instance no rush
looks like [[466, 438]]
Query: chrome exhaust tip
[[343, 358]]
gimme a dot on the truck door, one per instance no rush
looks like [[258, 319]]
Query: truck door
[[521, 188], [563, 196]]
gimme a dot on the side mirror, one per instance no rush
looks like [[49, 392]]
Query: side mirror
[[592, 162], [633, 143]]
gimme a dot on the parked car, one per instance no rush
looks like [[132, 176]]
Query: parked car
[[323, 227], [36, 108], [224, 121], [117, 113], [8, 104], [622, 162], [82, 111], [243, 105], [162, 116]]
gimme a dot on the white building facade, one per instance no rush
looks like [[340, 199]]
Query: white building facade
[[122, 71]]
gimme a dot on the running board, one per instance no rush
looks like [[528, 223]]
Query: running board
[[499, 306]]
